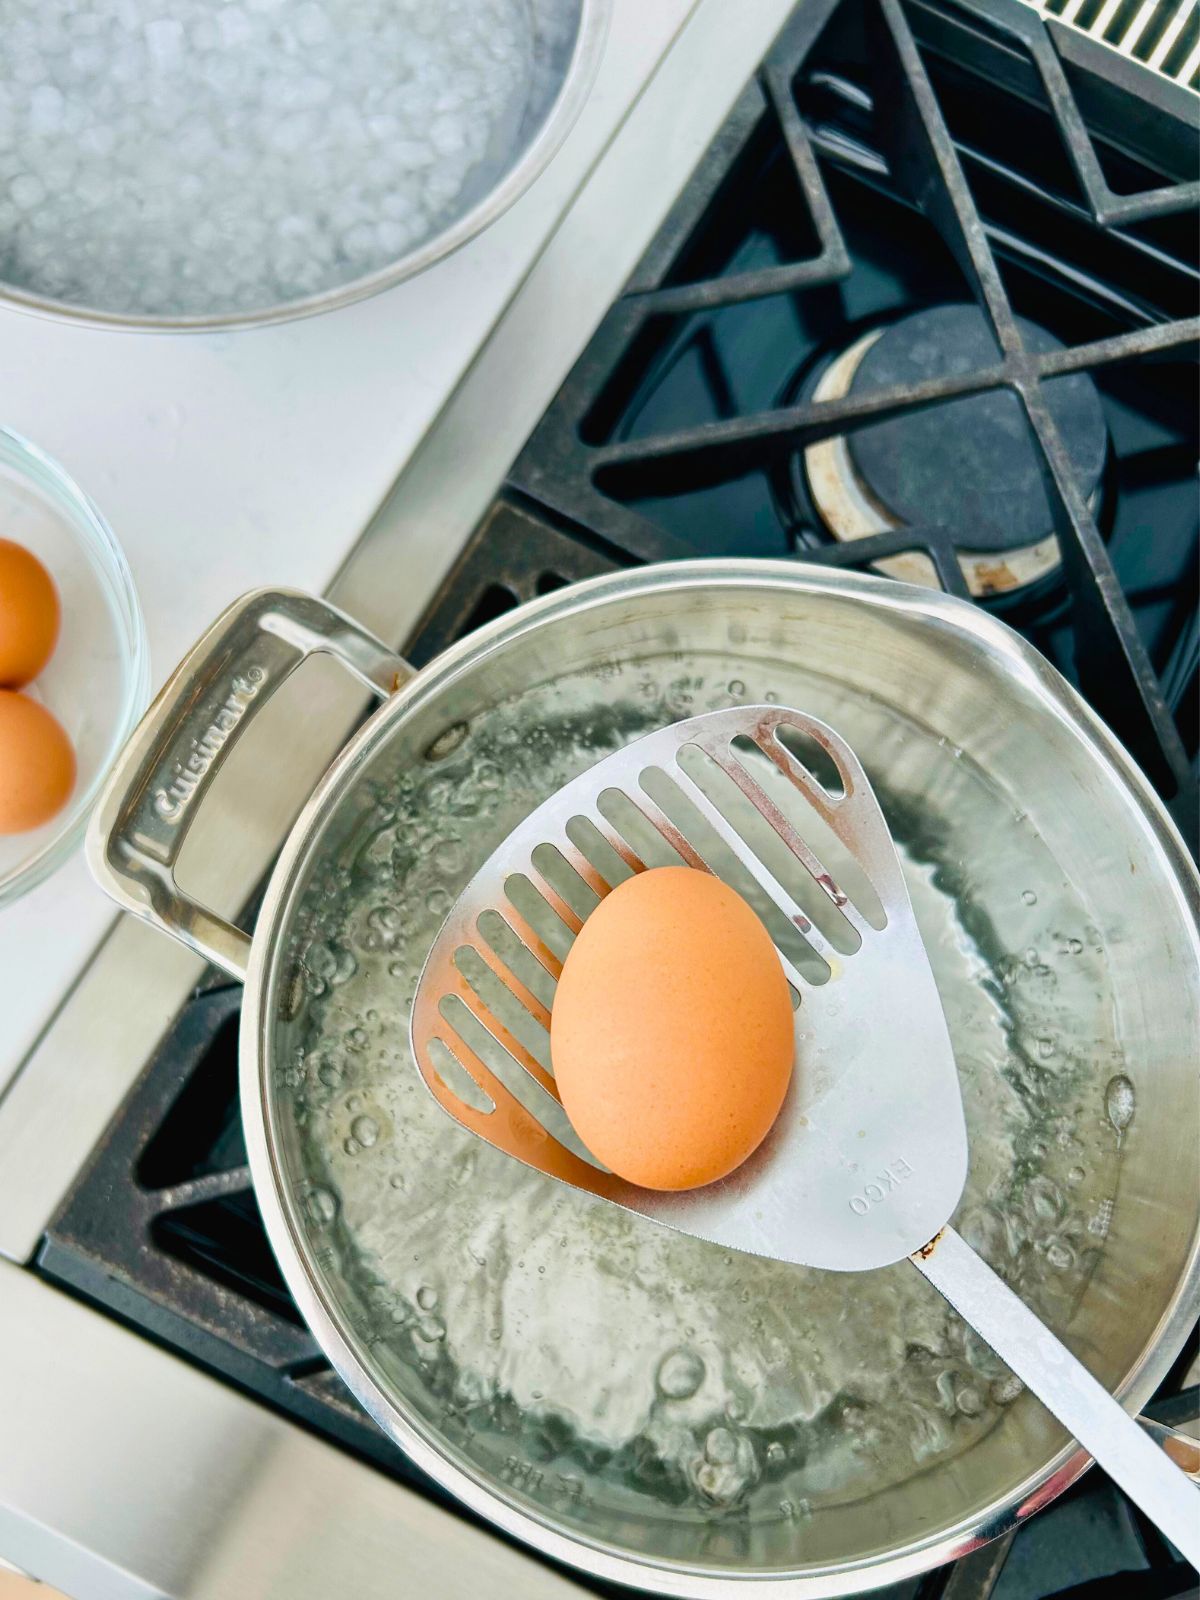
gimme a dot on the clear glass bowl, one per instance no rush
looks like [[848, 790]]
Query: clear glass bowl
[[97, 682]]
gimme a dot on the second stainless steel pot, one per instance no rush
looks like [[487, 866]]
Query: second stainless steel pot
[[974, 741]]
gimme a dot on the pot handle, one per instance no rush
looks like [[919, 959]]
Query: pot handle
[[153, 793]]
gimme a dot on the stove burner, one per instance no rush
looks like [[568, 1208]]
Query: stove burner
[[968, 465]]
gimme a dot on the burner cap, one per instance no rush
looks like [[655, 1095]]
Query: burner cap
[[969, 464]]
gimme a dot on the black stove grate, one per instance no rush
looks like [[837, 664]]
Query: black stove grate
[[892, 159]]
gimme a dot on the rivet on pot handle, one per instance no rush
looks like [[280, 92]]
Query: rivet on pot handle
[[154, 791]]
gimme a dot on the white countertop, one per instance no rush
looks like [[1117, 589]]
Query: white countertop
[[232, 460]]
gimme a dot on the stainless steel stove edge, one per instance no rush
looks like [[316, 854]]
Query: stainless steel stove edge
[[124, 1472]]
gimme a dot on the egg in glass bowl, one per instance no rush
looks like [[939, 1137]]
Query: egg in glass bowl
[[78, 670]]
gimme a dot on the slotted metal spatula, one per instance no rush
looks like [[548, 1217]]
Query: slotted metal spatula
[[869, 1155]]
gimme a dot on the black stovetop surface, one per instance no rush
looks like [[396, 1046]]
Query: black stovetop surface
[[896, 169]]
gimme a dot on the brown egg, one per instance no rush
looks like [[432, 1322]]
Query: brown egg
[[29, 615], [37, 764], [671, 1032]]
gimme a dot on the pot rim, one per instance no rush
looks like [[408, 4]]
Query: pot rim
[[281, 1217]]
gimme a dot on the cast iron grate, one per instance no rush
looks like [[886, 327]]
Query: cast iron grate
[[896, 156]]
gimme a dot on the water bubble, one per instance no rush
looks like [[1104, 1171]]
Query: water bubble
[[366, 1130], [427, 1297], [470, 1388], [1031, 957], [726, 1467], [1119, 1102], [384, 923], [1076, 1175], [328, 964], [438, 902], [736, 687], [330, 1074], [356, 1039], [320, 959], [396, 1180], [680, 1374], [1005, 1390], [1045, 1048], [1029, 897], [430, 1330], [1046, 1199], [447, 742], [447, 858], [945, 1391], [968, 1402], [321, 1206], [488, 775], [720, 1447], [351, 1146], [354, 1102]]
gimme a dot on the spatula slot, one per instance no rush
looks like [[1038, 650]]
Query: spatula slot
[[813, 757], [507, 1007], [541, 916], [509, 1071], [511, 949], [645, 840], [847, 873], [456, 1078], [594, 847], [765, 844], [564, 880], [722, 859]]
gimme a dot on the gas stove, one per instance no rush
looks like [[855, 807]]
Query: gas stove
[[926, 306]]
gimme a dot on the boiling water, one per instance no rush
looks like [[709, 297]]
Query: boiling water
[[590, 1345]]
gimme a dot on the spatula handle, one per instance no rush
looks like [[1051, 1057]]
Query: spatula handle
[[1064, 1385]]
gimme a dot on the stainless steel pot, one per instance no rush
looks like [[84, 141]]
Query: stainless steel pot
[[944, 703], [566, 44]]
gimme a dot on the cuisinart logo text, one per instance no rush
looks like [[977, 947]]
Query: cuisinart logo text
[[883, 1184], [173, 801]]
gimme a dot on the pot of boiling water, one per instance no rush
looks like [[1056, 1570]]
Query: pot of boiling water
[[646, 1407]]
